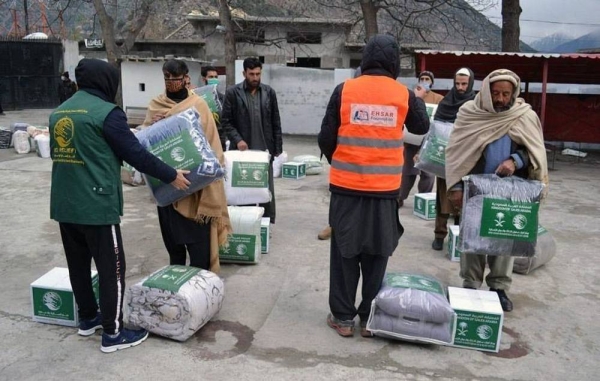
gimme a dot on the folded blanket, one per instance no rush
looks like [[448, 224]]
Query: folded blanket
[[414, 304], [175, 301], [247, 180], [393, 327], [210, 94], [313, 164], [500, 215], [180, 142]]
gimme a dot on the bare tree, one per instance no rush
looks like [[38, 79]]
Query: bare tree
[[511, 32], [230, 47]]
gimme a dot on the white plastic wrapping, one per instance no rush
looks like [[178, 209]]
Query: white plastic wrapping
[[43, 146], [180, 142], [247, 179], [432, 157], [278, 163], [21, 142], [414, 308], [545, 250], [175, 301], [313, 164], [244, 244], [500, 215]]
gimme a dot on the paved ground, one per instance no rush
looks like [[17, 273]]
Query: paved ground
[[272, 325]]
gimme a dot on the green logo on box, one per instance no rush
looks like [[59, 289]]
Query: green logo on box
[[477, 330], [171, 278], [511, 220], [53, 304], [239, 248], [413, 281], [178, 151], [250, 175]]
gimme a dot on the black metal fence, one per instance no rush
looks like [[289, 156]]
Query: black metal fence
[[29, 73]]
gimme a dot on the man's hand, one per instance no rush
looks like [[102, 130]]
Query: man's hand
[[180, 182], [242, 146], [456, 198], [506, 168], [157, 117], [420, 92]]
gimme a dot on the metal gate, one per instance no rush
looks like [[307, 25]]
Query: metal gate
[[29, 73]]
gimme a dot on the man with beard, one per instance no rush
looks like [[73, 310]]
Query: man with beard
[[495, 133], [251, 120], [446, 112], [362, 138]]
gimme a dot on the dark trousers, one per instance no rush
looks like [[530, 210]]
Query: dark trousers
[[344, 274], [270, 210], [199, 250], [425, 184], [104, 245]]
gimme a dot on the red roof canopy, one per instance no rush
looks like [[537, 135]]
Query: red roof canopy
[[562, 68]]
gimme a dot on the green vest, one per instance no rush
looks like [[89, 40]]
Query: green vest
[[86, 174]]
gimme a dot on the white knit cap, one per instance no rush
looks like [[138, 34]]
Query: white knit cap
[[464, 71]]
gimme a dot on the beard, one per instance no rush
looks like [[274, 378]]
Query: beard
[[252, 84]]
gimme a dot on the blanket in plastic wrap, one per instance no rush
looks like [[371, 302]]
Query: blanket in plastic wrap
[[432, 158], [313, 164], [545, 249], [247, 180], [175, 301], [244, 244], [414, 308], [180, 142], [500, 215], [278, 163]]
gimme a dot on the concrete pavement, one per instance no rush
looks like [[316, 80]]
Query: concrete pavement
[[272, 325]]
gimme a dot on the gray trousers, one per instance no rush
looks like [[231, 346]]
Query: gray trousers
[[472, 268]]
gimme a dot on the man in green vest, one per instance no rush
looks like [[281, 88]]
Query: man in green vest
[[89, 139]]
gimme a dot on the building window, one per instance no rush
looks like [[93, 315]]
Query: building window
[[304, 37], [251, 37], [306, 62], [142, 87]]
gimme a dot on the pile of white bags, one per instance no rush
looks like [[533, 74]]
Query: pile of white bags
[[432, 157], [244, 244], [414, 308], [247, 180], [545, 250], [500, 215], [175, 301], [180, 142], [313, 164]]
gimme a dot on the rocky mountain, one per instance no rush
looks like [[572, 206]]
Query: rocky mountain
[[549, 43], [587, 41]]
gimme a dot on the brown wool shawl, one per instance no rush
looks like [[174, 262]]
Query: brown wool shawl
[[210, 203], [478, 124]]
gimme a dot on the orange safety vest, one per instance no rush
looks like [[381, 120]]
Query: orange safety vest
[[369, 153]]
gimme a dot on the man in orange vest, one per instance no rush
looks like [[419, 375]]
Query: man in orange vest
[[362, 138]]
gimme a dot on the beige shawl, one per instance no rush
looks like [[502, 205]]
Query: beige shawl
[[478, 124], [210, 203]]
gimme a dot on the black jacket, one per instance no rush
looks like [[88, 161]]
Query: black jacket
[[235, 118]]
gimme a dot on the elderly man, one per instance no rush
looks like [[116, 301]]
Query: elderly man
[[361, 137], [498, 133]]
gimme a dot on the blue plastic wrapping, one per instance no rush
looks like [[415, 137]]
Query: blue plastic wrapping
[[180, 142]]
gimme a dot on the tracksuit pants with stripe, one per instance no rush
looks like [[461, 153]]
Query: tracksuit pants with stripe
[[104, 245]]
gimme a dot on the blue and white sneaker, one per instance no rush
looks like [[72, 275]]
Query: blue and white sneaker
[[88, 327], [125, 339]]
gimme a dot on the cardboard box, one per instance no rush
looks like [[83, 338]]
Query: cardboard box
[[293, 170], [479, 319], [52, 298], [265, 230], [424, 206], [453, 242]]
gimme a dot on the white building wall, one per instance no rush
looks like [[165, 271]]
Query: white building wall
[[134, 74]]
